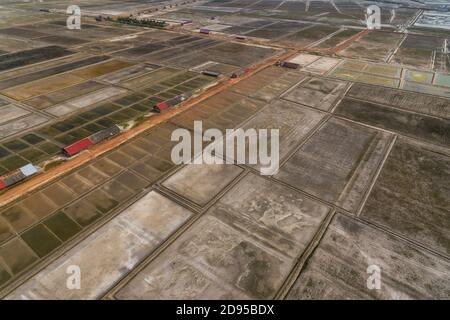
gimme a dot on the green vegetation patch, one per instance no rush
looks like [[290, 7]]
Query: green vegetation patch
[[41, 240], [61, 225], [150, 23]]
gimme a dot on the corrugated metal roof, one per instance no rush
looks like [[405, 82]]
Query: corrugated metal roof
[[211, 73], [290, 65], [77, 147], [13, 178], [104, 134], [17, 175], [174, 101], [28, 170]]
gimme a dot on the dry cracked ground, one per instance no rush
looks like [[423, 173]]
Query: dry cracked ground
[[364, 176]]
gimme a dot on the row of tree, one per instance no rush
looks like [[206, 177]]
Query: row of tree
[[152, 23]]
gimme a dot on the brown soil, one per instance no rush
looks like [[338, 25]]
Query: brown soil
[[99, 149]]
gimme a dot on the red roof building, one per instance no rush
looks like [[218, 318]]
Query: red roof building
[[161, 106], [77, 147]]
